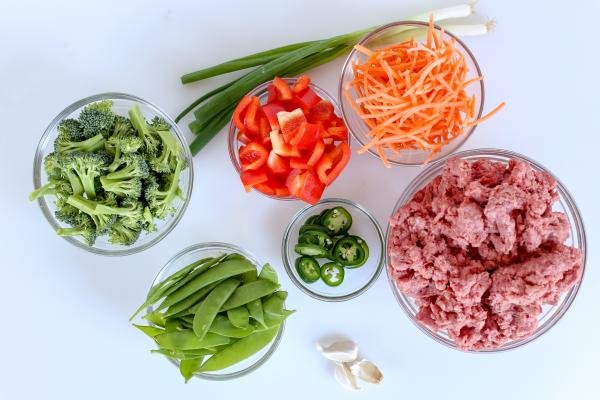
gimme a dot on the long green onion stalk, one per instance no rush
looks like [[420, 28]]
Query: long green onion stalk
[[213, 110]]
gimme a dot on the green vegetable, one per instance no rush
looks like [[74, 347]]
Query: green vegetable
[[337, 220], [188, 367], [240, 350], [210, 306], [312, 250], [223, 326], [239, 317], [248, 292], [256, 312], [348, 252], [187, 340], [316, 237], [268, 273], [308, 269], [332, 274]]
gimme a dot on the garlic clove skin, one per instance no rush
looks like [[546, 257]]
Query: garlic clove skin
[[344, 376], [367, 371], [343, 351]]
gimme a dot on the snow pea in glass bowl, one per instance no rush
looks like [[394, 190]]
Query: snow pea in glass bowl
[[261, 92], [356, 280], [216, 249], [388, 35], [551, 314], [122, 103]]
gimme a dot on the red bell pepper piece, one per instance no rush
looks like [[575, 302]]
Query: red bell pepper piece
[[312, 188], [332, 163], [294, 182], [252, 178], [316, 154], [271, 110], [277, 164], [253, 156], [299, 162], [322, 111], [265, 188], [290, 122], [240, 111], [337, 132], [271, 93], [307, 100], [243, 137], [282, 191], [265, 129], [284, 92], [280, 147], [306, 137], [301, 84], [251, 119]]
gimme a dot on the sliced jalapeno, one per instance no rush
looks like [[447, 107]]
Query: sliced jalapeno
[[306, 227], [348, 252], [308, 269], [316, 237], [312, 220], [365, 249], [337, 220], [312, 250], [332, 274]]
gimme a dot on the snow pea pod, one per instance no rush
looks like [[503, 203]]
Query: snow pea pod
[[156, 318], [248, 292], [189, 367], [239, 317], [189, 302], [222, 326], [255, 309], [210, 306], [274, 310], [187, 340], [240, 350], [183, 355], [151, 331], [224, 270], [268, 273]]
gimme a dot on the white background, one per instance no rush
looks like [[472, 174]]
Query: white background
[[64, 332]]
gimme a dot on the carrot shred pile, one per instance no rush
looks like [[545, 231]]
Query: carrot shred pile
[[413, 95]]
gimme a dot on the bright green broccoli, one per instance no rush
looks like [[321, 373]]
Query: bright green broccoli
[[87, 167], [65, 144], [160, 197], [97, 118], [54, 186], [83, 226], [148, 220], [123, 145], [131, 187], [71, 128], [122, 233], [134, 167], [170, 154], [151, 140]]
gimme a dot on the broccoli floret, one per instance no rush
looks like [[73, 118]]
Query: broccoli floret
[[65, 144], [122, 233], [149, 137], [97, 118], [167, 160], [71, 128], [123, 145], [159, 124], [131, 209], [131, 187], [135, 167], [87, 167], [148, 220], [83, 226], [160, 199], [122, 127], [52, 165], [102, 220], [54, 186], [66, 212]]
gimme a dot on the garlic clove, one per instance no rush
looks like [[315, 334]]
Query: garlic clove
[[344, 376], [342, 351], [367, 371]]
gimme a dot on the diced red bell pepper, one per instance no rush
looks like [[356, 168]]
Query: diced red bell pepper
[[336, 121], [280, 147], [252, 178], [284, 92], [253, 156], [317, 153], [282, 191], [240, 112], [251, 119], [277, 164], [299, 162], [332, 163], [265, 188], [271, 93], [337, 132], [312, 188], [265, 129], [307, 100], [243, 137], [301, 84], [328, 141], [271, 110], [290, 122], [293, 182], [322, 111], [306, 137]]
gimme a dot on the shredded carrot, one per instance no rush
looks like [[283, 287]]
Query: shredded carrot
[[413, 96]]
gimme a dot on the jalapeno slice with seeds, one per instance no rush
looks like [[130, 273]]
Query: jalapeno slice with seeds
[[312, 250], [318, 238], [348, 252], [307, 227], [332, 274], [308, 269], [365, 249], [337, 220]]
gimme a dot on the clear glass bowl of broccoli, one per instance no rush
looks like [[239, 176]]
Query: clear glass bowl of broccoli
[[112, 174]]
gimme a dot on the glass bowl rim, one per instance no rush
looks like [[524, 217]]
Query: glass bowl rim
[[207, 246], [289, 268], [257, 91], [347, 63], [38, 171], [577, 225]]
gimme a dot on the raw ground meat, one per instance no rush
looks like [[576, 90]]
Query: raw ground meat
[[480, 250]]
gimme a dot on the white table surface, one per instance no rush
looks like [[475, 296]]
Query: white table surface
[[64, 329]]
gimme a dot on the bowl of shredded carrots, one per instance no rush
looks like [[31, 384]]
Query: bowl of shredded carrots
[[411, 93]]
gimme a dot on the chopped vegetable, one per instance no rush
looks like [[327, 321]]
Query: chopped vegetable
[[413, 96]]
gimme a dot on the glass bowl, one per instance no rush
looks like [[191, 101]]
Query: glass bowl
[[565, 203], [356, 280], [385, 36], [121, 105], [216, 249], [261, 92]]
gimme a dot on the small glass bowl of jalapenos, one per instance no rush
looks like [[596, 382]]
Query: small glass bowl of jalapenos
[[215, 312], [333, 251]]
